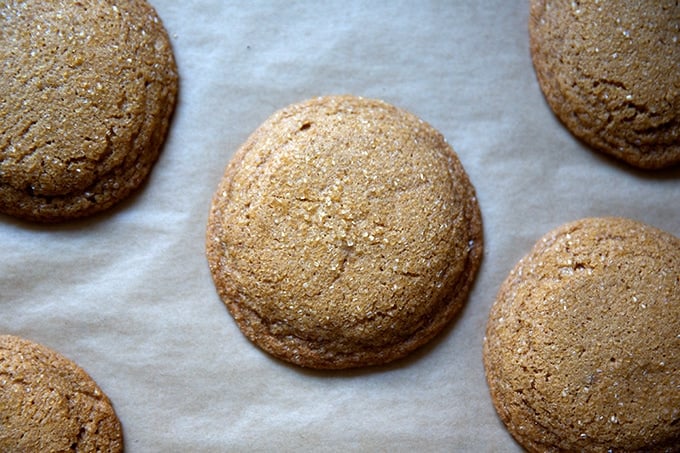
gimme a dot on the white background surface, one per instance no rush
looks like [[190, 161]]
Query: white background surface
[[128, 296]]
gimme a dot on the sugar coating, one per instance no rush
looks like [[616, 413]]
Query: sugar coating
[[48, 403], [344, 233], [611, 72], [86, 93], [582, 348]]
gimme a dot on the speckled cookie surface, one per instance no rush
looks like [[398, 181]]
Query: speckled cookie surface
[[86, 93], [609, 70], [345, 232], [582, 349], [48, 403]]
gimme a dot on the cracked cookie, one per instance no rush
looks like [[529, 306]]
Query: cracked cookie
[[610, 73], [48, 403], [582, 348], [87, 90], [344, 233]]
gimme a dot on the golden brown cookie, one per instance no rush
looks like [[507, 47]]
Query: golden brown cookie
[[345, 232], [48, 403], [87, 89], [582, 348], [610, 73]]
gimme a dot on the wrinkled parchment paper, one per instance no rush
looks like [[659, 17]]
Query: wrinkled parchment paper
[[128, 296]]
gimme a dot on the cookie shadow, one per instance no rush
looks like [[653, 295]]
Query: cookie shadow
[[659, 174], [78, 224]]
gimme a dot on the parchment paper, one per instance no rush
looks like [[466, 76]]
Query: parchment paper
[[128, 296]]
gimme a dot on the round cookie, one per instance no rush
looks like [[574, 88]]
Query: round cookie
[[344, 233], [610, 73], [48, 403], [582, 348], [87, 90]]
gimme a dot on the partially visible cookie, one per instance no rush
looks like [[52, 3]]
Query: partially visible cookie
[[344, 233], [87, 90], [582, 348], [48, 403], [610, 73]]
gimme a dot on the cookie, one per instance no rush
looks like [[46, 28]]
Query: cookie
[[87, 90], [610, 73], [48, 403], [582, 347], [344, 233]]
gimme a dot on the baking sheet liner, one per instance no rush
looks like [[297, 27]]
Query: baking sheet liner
[[128, 295]]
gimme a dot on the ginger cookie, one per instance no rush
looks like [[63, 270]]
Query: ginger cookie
[[344, 233], [582, 348], [87, 90], [610, 73], [48, 403]]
